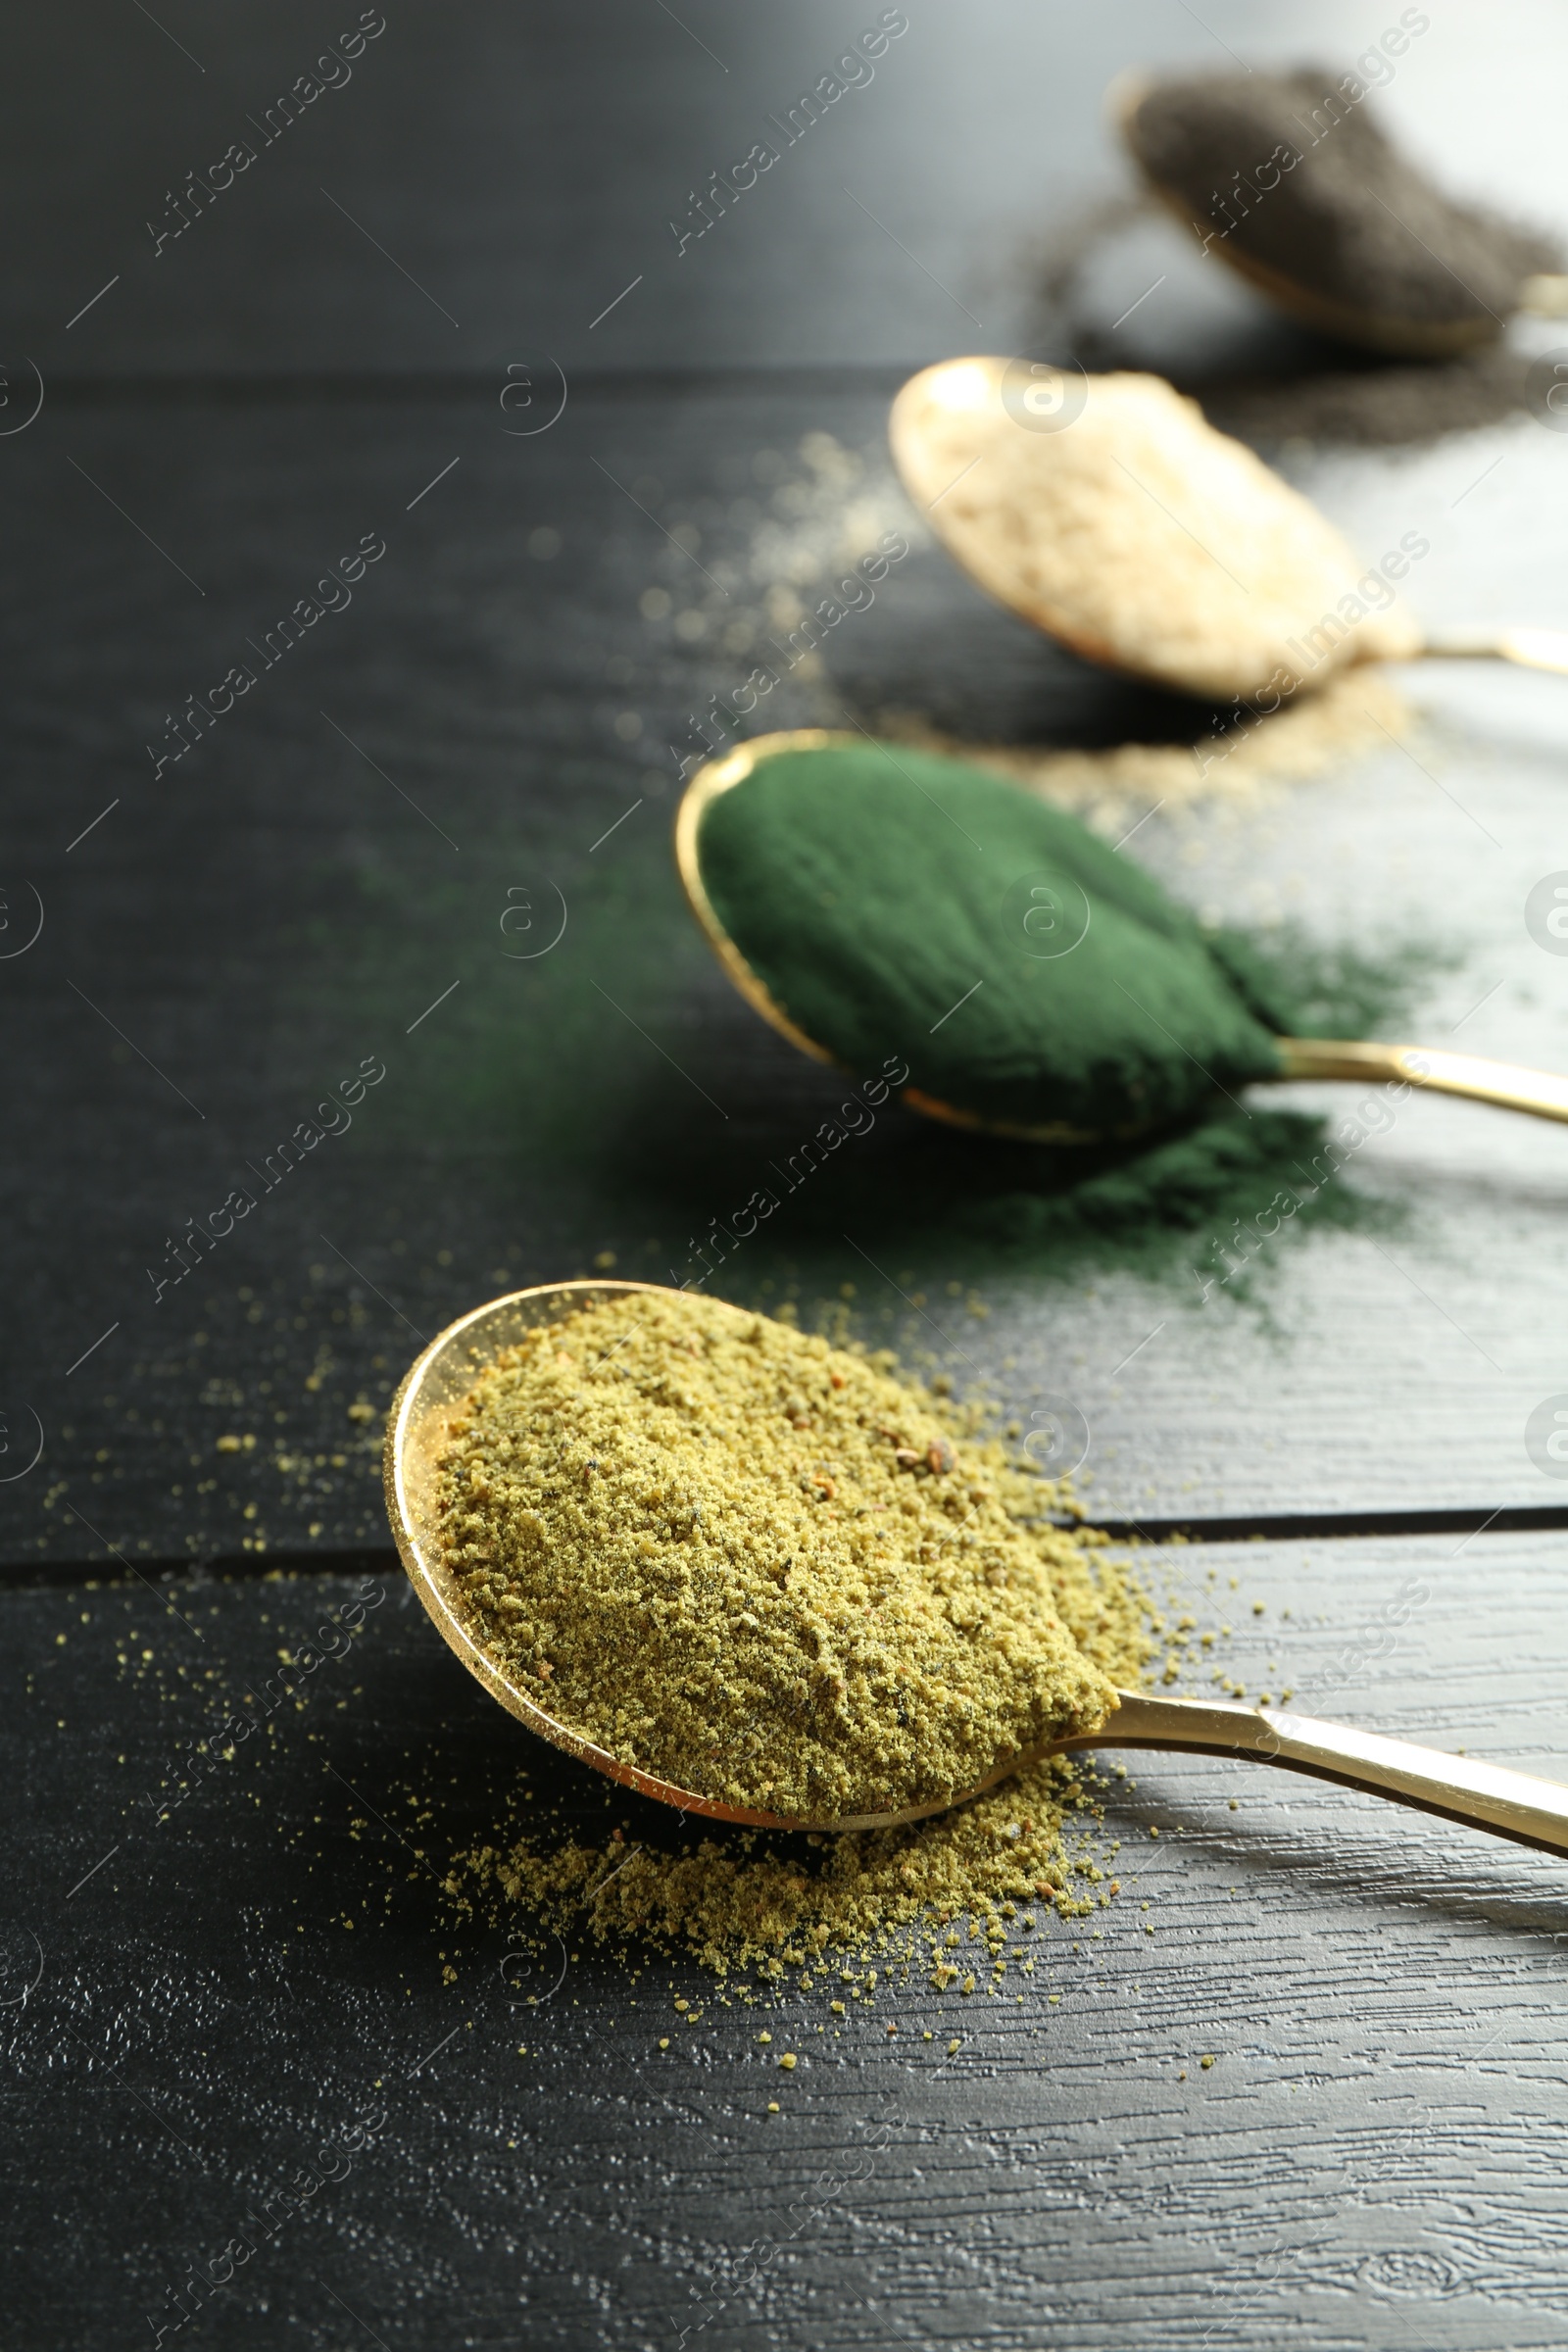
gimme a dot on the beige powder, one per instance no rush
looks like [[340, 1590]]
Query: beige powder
[[1138, 534]]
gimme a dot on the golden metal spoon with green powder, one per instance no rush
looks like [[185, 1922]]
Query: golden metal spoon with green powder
[[756, 1578], [892, 909], [1104, 510]]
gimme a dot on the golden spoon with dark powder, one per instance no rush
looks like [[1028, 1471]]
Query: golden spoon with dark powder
[[1290, 180]]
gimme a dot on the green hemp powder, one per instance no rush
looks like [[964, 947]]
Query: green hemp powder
[[894, 903], [762, 1568]]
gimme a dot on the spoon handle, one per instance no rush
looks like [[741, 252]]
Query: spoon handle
[[1531, 649], [1484, 1796], [1501, 1082]]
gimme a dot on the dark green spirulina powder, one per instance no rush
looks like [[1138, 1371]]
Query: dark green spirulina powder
[[900, 905]]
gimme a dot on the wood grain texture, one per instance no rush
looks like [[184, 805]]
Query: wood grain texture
[[1369, 2161], [224, 1977], [232, 938]]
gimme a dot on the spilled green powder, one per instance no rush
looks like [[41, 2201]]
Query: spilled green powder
[[741, 1899], [897, 904]]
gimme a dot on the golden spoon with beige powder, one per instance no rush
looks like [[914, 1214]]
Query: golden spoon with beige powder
[[1106, 511], [764, 1580]]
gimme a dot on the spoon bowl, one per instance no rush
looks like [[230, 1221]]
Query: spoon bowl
[[1463, 321], [418, 1430], [1434, 1069], [1106, 512]]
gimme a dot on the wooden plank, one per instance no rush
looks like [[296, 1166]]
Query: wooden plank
[[501, 190], [275, 1966], [305, 879]]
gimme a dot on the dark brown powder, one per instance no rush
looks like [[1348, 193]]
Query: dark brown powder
[[1373, 405], [1290, 180]]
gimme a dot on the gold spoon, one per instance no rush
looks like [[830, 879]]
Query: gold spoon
[[1499, 1083], [1510, 1805], [1543, 295], [1239, 595]]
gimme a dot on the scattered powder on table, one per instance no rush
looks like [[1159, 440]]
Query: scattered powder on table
[[758, 1567], [1140, 536], [739, 1899], [809, 515], [1377, 405], [1290, 180], [1242, 759], [1172, 1213]]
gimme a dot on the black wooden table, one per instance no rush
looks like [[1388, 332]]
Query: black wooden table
[[433, 373]]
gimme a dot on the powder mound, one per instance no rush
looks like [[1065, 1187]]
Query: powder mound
[[738, 1899], [1289, 179], [902, 908], [754, 1565], [1139, 535], [1376, 403]]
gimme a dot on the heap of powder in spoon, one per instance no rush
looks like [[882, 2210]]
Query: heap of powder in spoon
[[1289, 179], [755, 1566]]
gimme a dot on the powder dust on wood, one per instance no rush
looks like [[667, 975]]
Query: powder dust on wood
[[756, 1566], [739, 1899], [1375, 405], [1242, 757]]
